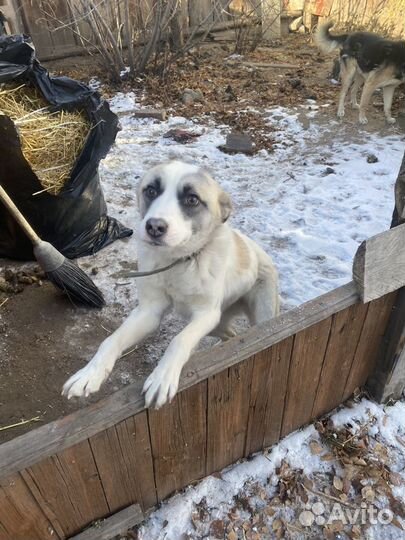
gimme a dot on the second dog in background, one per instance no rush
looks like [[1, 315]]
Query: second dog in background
[[365, 58], [218, 273]]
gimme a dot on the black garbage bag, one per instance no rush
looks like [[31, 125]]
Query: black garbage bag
[[75, 221]]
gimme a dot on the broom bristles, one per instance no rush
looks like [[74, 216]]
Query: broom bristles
[[67, 276], [77, 285]]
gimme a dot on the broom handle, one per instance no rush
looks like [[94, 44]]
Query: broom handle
[[11, 207]]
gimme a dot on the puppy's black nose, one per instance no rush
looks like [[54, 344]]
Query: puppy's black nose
[[156, 227]]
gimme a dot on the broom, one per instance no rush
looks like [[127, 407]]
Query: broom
[[62, 272]]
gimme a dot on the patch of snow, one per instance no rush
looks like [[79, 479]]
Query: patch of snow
[[126, 71], [95, 84], [174, 517], [309, 221]]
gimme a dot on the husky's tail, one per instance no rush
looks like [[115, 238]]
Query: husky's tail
[[325, 41]]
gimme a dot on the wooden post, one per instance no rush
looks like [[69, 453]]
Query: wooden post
[[378, 264], [399, 210], [199, 12], [271, 19], [176, 28], [378, 270], [10, 11], [388, 380]]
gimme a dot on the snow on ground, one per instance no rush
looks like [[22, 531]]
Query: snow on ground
[[309, 203], [304, 487]]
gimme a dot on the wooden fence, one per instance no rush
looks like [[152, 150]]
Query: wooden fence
[[53, 39], [234, 399]]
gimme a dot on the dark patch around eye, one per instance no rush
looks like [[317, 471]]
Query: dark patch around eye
[[156, 185], [187, 191]]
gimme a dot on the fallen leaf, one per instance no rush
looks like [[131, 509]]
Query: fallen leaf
[[338, 483], [397, 523], [315, 448], [336, 526], [346, 486], [217, 528], [395, 479], [368, 493], [360, 461], [356, 532], [327, 457]]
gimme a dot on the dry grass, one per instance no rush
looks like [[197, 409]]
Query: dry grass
[[50, 141]]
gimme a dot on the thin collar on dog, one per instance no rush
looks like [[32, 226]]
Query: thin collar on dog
[[162, 269]]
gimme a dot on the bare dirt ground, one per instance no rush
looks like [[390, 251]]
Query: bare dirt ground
[[37, 354], [285, 73]]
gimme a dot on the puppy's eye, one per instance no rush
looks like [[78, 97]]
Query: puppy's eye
[[191, 200], [151, 192]]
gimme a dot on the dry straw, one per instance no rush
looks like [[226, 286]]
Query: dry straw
[[50, 141]]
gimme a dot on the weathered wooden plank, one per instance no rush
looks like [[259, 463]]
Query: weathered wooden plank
[[36, 27], [228, 398], [124, 462], [115, 525], [200, 13], [378, 264], [303, 378], [271, 18], [62, 37], [388, 379], [370, 340], [21, 518], [68, 485], [398, 216], [55, 436], [344, 337], [267, 395], [13, 22], [178, 435]]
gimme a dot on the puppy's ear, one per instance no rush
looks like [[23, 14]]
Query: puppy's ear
[[225, 205]]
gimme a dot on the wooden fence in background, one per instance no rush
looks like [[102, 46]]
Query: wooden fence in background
[[234, 399], [33, 17]]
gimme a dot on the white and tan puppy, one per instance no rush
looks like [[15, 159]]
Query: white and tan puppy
[[222, 274]]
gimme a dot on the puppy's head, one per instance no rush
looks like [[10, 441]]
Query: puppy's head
[[180, 206]]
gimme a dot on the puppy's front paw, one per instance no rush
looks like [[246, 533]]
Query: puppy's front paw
[[390, 120], [84, 382], [363, 119], [340, 113], [355, 106], [161, 385]]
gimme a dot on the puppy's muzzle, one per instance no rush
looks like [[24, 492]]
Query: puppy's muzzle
[[156, 228]]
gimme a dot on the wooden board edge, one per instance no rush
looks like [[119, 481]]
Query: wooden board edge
[[376, 264], [359, 263], [114, 525], [51, 438]]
